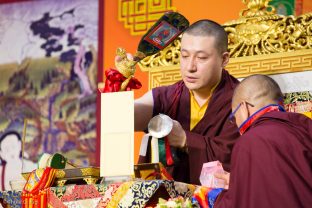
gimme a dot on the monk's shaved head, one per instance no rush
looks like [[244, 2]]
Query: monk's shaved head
[[259, 90], [206, 28]]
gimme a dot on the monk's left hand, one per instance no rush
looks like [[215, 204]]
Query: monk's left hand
[[224, 176], [177, 136]]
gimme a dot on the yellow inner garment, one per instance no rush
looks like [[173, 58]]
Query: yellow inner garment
[[197, 112]]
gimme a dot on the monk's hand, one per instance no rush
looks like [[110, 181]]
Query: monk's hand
[[224, 176], [177, 136]]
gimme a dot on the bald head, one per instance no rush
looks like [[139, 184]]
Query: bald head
[[259, 90]]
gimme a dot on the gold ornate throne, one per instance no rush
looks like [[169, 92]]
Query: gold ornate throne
[[260, 42]]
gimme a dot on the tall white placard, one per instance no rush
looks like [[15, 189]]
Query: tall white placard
[[117, 134]]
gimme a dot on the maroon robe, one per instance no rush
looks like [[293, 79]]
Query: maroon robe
[[212, 138], [272, 164]]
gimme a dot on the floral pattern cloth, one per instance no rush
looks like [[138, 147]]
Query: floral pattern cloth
[[141, 192], [111, 189], [128, 194], [59, 196], [11, 199]]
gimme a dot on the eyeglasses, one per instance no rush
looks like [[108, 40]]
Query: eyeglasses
[[232, 115]]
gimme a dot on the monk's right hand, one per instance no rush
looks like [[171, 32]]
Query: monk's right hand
[[177, 136]]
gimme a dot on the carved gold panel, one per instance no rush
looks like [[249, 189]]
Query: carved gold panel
[[164, 76], [278, 63], [139, 15]]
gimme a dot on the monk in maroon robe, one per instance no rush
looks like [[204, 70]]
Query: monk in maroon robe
[[212, 138], [203, 58], [272, 160]]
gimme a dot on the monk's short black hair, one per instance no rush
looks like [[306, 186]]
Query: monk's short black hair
[[207, 27], [9, 133]]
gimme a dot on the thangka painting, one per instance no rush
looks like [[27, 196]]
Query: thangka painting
[[48, 76]]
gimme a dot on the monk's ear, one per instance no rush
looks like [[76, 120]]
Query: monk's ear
[[245, 110], [225, 59]]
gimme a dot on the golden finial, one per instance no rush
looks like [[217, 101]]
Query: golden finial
[[124, 65], [257, 8]]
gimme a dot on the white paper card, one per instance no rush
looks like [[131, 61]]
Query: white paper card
[[117, 134], [144, 145]]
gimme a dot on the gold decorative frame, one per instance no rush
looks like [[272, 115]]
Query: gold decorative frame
[[275, 63], [260, 41], [139, 16], [89, 175]]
